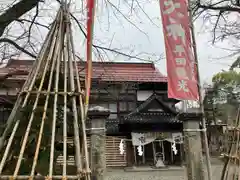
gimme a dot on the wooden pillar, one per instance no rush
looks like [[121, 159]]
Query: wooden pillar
[[193, 146], [98, 116], [129, 154], [181, 149]]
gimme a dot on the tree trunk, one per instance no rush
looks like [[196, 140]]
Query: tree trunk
[[16, 11]]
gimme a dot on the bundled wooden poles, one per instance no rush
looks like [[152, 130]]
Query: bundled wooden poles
[[231, 169], [49, 109]]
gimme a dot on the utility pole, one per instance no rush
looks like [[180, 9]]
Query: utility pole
[[204, 129]]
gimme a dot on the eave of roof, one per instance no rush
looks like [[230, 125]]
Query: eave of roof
[[103, 71], [153, 117]]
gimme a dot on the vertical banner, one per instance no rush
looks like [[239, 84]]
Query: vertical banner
[[181, 67], [90, 27]]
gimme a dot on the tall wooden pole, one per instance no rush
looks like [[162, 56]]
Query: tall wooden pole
[[204, 129], [90, 27]]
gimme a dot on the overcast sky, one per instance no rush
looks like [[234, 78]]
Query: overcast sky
[[136, 30], [114, 30]]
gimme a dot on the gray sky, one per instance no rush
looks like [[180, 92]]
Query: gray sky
[[136, 33], [120, 33]]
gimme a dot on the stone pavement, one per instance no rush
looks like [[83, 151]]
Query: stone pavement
[[171, 174]]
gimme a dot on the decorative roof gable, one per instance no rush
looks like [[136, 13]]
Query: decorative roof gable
[[147, 104], [143, 115]]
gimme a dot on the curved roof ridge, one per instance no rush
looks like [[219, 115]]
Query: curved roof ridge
[[148, 101]]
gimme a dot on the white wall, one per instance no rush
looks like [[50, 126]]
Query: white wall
[[143, 95]]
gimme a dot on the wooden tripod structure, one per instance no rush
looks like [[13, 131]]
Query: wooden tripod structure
[[48, 108], [231, 169]]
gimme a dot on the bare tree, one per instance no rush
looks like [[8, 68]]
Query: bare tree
[[21, 20], [223, 17], [28, 15]]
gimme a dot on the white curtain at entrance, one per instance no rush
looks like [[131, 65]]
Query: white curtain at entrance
[[176, 138], [141, 139]]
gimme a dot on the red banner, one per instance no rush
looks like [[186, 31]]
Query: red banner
[[90, 26], [181, 68]]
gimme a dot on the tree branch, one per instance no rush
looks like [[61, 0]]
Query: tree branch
[[16, 11], [33, 20], [215, 27], [6, 40], [219, 8], [30, 28], [29, 21], [105, 48], [217, 13]]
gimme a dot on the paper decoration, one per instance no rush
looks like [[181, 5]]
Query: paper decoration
[[140, 150], [121, 147], [177, 138], [174, 149], [143, 138]]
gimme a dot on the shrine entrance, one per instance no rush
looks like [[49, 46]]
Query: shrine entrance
[[158, 153]]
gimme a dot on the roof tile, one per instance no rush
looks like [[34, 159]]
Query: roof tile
[[104, 71]]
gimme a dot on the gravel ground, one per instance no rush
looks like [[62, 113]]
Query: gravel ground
[[157, 175]]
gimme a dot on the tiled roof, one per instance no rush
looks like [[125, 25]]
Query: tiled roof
[[160, 117], [103, 71]]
